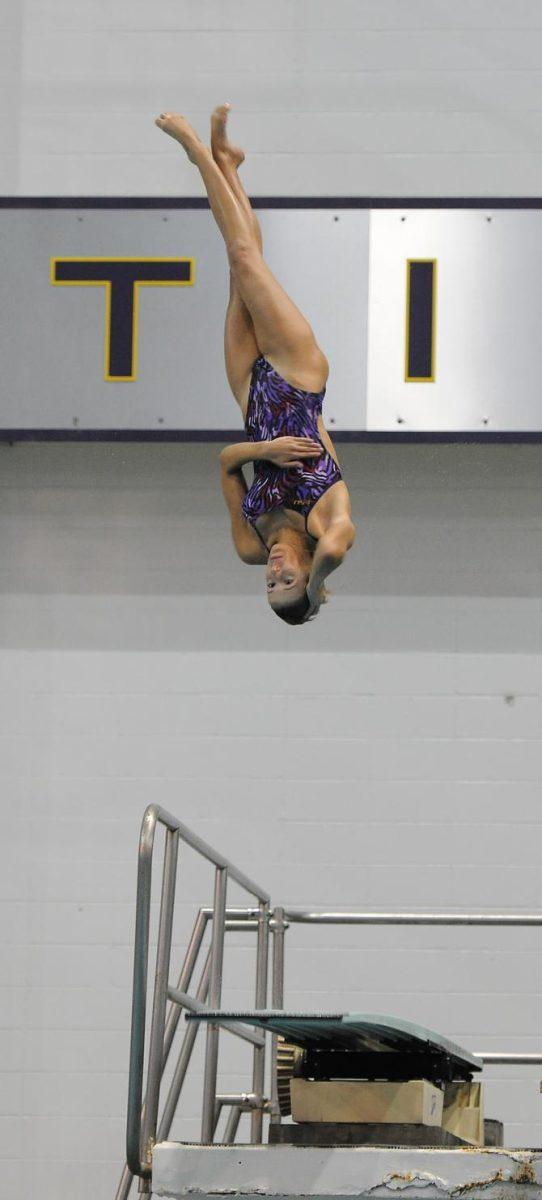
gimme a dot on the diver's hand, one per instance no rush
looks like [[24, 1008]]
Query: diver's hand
[[290, 451]]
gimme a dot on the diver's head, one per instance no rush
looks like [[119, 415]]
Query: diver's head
[[287, 575]]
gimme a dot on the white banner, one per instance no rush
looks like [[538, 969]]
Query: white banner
[[113, 318]]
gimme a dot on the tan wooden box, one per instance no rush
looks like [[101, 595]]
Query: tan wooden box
[[416, 1102], [463, 1112]]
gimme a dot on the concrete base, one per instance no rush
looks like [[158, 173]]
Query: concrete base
[[363, 1172]]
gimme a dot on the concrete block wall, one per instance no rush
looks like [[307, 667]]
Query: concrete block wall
[[387, 756], [377, 97]]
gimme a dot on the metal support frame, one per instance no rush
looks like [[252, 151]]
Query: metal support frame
[[143, 1128], [142, 1118], [232, 1125]]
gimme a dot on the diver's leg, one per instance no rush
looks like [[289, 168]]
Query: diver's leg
[[229, 215], [282, 332], [240, 346], [229, 158]]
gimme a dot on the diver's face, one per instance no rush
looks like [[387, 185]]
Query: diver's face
[[285, 577]]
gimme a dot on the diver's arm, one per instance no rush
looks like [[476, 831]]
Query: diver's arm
[[245, 540], [232, 458], [283, 451], [329, 553]]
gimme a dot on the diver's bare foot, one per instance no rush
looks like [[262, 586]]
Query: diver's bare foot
[[179, 128], [220, 146]]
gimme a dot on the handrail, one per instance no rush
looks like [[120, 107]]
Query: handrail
[[157, 813], [142, 1119], [303, 916]]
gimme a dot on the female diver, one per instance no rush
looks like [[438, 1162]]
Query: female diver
[[296, 516]]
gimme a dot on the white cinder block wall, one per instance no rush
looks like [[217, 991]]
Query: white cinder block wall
[[370, 97], [389, 755]]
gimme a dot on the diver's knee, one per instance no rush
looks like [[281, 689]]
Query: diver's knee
[[241, 254]]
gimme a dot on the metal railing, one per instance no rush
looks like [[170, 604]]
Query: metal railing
[[304, 916], [143, 1129], [142, 1120]]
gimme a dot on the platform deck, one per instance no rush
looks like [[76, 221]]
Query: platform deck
[[183, 1170]]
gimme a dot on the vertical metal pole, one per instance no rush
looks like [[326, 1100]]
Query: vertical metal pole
[[215, 993], [277, 1001], [139, 993], [258, 1069], [163, 954]]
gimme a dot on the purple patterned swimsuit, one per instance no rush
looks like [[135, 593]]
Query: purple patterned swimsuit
[[278, 409]]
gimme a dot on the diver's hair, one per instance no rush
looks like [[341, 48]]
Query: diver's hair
[[296, 613], [300, 611]]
